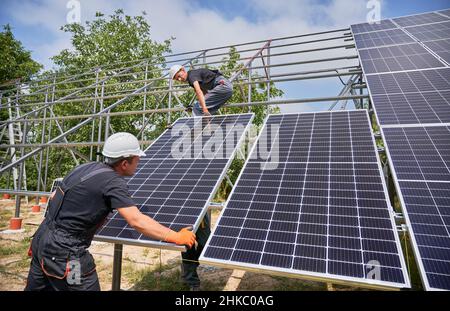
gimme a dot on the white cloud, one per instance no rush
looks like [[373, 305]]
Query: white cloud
[[194, 27]]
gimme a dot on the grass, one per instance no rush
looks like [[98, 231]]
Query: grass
[[145, 252], [288, 284], [414, 274], [166, 277], [5, 216], [16, 248]]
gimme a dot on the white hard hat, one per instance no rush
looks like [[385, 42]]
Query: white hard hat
[[173, 70], [122, 145]]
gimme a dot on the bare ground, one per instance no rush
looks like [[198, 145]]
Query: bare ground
[[142, 268]]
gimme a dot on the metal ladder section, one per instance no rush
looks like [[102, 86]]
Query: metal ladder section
[[16, 136]]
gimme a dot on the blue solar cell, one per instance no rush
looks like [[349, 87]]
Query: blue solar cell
[[397, 58], [420, 153], [172, 188], [430, 32], [441, 48], [329, 222], [366, 27], [421, 164], [425, 18], [381, 38]]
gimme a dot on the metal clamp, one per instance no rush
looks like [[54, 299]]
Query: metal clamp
[[402, 228]]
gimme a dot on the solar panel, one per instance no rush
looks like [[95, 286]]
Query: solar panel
[[441, 48], [56, 183], [313, 206], [177, 178], [366, 27], [381, 38], [397, 58], [430, 32], [413, 110], [425, 18], [411, 97], [421, 166]]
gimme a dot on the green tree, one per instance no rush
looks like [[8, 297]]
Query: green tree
[[107, 43], [16, 62], [110, 44], [119, 38]]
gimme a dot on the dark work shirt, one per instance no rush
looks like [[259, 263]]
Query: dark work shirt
[[205, 78], [87, 204]]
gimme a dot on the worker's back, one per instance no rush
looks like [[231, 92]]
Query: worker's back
[[87, 204]]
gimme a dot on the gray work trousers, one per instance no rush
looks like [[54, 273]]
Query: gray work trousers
[[215, 98], [190, 257]]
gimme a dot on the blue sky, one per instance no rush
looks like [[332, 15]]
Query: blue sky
[[199, 24]]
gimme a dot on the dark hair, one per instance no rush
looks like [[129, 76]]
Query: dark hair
[[117, 162]]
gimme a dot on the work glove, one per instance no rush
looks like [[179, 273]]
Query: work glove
[[183, 237]]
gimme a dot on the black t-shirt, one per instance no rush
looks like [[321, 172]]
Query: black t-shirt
[[87, 204], [205, 78]]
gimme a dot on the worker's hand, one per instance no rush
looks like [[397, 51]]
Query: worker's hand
[[206, 113], [183, 237]]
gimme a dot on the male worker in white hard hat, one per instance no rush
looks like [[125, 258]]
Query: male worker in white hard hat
[[211, 88], [60, 259]]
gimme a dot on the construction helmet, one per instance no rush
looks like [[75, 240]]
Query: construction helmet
[[121, 145], [173, 70]]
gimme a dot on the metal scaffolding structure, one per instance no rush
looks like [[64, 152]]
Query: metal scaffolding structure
[[39, 119]]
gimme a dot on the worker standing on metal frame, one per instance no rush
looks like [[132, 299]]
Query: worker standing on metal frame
[[211, 88], [60, 259]]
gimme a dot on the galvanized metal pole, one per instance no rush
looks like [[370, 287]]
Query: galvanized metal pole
[[47, 150], [117, 267], [249, 99], [41, 154], [91, 151], [268, 75], [170, 99], [361, 102], [145, 103], [107, 125], [21, 167], [99, 135]]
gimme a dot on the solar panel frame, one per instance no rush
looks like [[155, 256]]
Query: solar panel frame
[[170, 246], [445, 12], [402, 189], [308, 274], [56, 182]]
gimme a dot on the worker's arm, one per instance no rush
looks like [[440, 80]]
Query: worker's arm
[[200, 96], [150, 227]]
